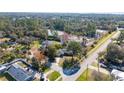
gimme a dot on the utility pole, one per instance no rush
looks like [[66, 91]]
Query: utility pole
[[98, 66], [87, 73]]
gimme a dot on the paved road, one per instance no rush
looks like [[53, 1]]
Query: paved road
[[89, 60]]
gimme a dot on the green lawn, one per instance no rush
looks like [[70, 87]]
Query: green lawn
[[53, 76], [22, 64], [83, 76], [95, 64], [35, 44], [46, 70], [93, 75]]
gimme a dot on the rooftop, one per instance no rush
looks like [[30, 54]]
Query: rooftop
[[19, 73]]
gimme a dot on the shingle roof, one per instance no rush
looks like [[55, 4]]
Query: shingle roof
[[17, 73]]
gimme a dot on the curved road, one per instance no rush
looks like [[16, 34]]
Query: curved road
[[89, 60]]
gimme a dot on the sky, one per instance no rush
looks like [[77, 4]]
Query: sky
[[67, 6]]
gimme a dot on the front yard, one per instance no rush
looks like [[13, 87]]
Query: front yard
[[53, 76]]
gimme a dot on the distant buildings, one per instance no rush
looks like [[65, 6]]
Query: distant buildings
[[100, 33]]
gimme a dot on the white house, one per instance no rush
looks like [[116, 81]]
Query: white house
[[118, 75]]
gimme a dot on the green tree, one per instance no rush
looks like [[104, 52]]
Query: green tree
[[75, 47], [52, 51], [91, 30], [113, 52]]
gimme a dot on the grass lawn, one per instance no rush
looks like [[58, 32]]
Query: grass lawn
[[46, 70], [53, 76], [55, 42], [35, 44], [22, 64], [93, 75], [95, 64]]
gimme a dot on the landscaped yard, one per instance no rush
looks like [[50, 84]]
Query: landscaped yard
[[53, 76], [93, 75]]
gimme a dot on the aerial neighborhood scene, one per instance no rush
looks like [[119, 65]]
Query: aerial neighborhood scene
[[61, 46]]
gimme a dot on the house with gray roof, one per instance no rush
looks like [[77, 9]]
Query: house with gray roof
[[19, 74]]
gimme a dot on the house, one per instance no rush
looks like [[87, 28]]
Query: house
[[48, 43], [64, 52], [19, 74], [49, 32], [118, 75], [100, 33], [18, 70]]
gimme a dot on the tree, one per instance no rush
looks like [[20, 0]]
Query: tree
[[121, 38], [75, 47], [84, 52], [37, 65], [91, 30], [113, 52], [52, 51], [4, 45]]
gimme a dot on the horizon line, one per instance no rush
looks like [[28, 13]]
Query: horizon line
[[65, 12]]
